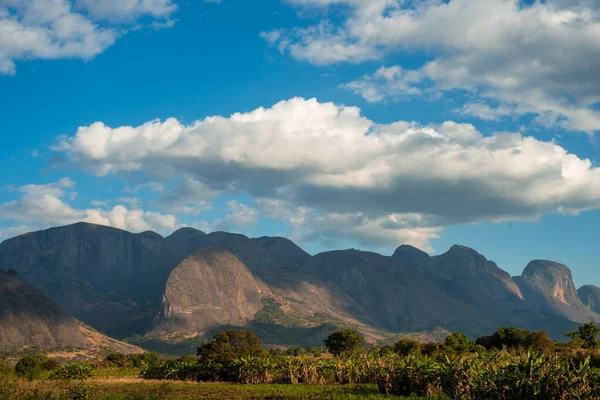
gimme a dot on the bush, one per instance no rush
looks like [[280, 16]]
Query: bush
[[73, 372], [31, 367], [171, 370], [129, 360]]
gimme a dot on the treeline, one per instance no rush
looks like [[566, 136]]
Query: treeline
[[500, 366]]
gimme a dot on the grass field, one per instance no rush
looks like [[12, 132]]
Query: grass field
[[131, 388]]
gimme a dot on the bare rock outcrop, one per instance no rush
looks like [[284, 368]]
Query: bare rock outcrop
[[549, 286], [211, 287]]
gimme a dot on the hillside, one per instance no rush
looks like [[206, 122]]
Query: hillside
[[108, 278], [28, 318]]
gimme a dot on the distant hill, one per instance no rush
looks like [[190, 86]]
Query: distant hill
[[28, 318], [191, 284]]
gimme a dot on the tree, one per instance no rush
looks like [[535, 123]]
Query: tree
[[406, 347], [512, 338], [345, 341], [457, 343], [229, 345], [540, 342], [587, 333]]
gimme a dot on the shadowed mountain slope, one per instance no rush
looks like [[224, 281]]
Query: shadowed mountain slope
[[108, 278], [28, 318]]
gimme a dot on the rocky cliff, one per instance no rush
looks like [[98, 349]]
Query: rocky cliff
[[549, 287], [209, 288]]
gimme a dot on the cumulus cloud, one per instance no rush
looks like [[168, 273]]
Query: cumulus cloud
[[55, 29], [541, 59], [41, 206], [341, 174]]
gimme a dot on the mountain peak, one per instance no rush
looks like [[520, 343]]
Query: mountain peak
[[549, 285], [411, 256], [590, 296]]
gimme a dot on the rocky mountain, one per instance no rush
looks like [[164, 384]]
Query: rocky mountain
[[28, 318], [209, 288], [549, 287], [191, 283], [185, 241], [590, 296], [108, 278], [394, 296], [468, 277]]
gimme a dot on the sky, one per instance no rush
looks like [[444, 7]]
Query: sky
[[336, 123]]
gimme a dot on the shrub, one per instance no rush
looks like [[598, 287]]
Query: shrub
[[171, 370], [78, 371], [30, 367]]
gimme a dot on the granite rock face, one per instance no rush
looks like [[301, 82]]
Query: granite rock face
[[548, 286], [210, 288]]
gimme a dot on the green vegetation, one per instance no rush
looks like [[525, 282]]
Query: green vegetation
[[586, 335], [32, 367], [502, 366], [71, 372], [345, 341]]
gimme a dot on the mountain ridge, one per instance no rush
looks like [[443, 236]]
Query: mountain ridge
[[118, 282]]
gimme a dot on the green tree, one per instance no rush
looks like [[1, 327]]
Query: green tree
[[587, 334], [344, 341], [457, 343], [512, 338], [407, 347], [540, 342], [231, 344]]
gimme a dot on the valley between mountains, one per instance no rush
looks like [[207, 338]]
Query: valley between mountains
[[90, 286]]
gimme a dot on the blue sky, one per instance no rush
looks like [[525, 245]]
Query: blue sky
[[382, 122]]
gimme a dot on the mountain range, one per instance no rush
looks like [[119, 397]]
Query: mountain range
[[191, 284]]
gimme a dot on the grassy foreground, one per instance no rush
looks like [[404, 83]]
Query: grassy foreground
[[132, 388]]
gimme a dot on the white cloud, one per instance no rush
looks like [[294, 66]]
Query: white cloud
[[55, 29], [41, 206], [239, 216], [540, 59], [386, 83], [118, 10], [12, 231], [336, 165]]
